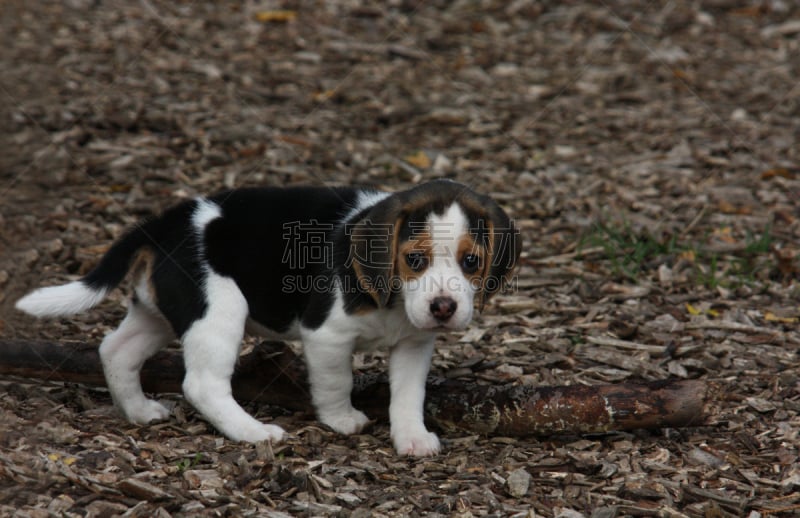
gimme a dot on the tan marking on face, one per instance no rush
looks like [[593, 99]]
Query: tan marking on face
[[368, 281], [487, 264], [467, 245], [362, 281], [420, 242]]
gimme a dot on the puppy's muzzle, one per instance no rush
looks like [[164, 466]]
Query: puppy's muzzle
[[442, 308]]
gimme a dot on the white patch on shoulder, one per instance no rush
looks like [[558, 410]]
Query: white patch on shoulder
[[205, 213], [365, 200]]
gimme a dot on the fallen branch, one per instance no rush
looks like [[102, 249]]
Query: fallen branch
[[274, 375]]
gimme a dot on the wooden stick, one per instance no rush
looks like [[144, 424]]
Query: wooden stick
[[273, 374]]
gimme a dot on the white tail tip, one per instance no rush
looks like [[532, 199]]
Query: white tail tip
[[68, 299]]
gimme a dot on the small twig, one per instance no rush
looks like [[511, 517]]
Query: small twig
[[624, 344], [565, 258], [694, 221], [731, 326]]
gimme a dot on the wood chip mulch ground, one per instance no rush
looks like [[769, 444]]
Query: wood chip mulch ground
[[648, 151]]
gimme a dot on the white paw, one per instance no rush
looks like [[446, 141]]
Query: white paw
[[416, 444], [258, 432], [146, 412], [346, 423]]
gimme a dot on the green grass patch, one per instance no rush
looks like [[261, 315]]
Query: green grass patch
[[634, 255], [188, 463]]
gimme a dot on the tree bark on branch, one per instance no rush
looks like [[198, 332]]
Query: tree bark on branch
[[274, 375]]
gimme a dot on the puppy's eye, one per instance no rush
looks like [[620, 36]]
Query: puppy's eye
[[470, 263], [417, 261]]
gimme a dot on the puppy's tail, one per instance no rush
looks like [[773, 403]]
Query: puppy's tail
[[80, 295]]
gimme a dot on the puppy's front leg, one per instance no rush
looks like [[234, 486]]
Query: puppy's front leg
[[330, 373], [409, 364]]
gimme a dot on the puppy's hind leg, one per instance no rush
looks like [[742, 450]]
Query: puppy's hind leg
[[123, 352], [211, 348]]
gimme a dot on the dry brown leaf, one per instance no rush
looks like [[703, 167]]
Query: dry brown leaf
[[419, 159], [725, 234], [787, 260], [727, 207], [777, 171], [769, 316], [277, 16]]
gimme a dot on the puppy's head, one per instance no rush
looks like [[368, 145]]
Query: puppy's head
[[441, 247]]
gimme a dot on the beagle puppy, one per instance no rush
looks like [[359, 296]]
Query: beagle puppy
[[339, 268]]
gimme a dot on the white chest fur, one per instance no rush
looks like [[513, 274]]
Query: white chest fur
[[386, 328]]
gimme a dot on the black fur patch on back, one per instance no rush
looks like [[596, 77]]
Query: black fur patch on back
[[277, 245]]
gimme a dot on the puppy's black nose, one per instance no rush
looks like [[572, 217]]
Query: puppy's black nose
[[442, 308]]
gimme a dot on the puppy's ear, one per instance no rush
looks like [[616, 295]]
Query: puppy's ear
[[373, 249], [503, 247]]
